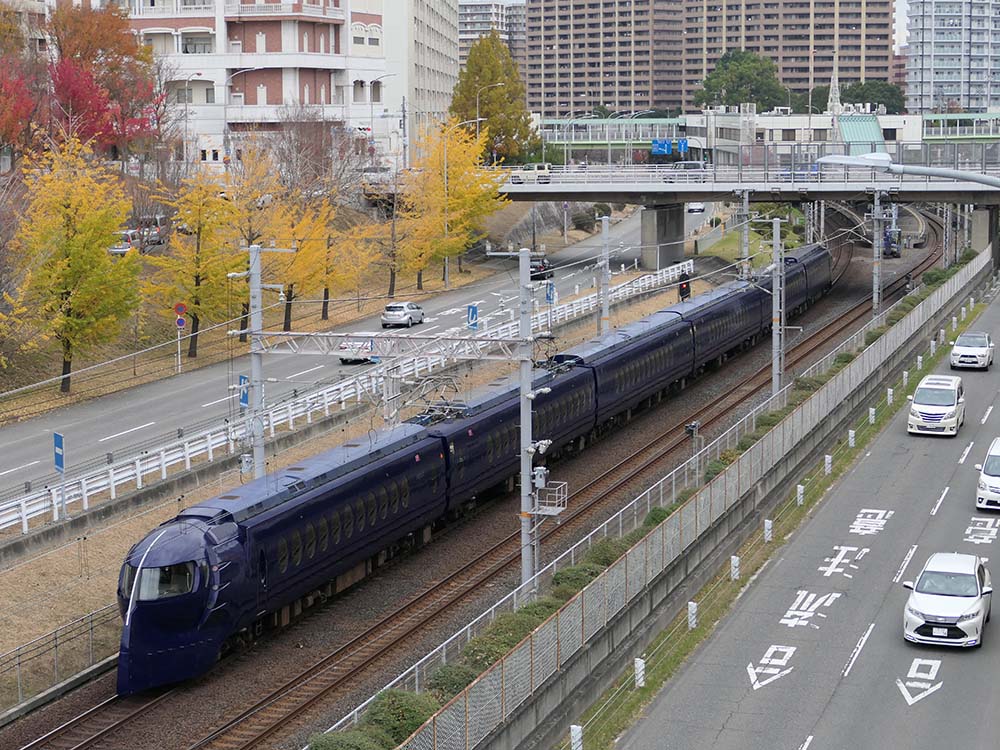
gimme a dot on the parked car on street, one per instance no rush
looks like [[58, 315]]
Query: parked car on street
[[402, 314], [126, 240], [154, 229], [950, 602]]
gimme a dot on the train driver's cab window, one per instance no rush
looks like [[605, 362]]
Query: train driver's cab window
[[159, 583]]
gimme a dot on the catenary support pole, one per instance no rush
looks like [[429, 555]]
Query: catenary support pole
[[524, 333], [256, 389], [777, 305], [605, 323], [877, 234]]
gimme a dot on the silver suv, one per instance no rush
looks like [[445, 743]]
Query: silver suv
[[686, 171]]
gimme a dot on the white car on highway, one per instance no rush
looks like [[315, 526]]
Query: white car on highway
[[950, 602], [988, 487], [937, 406], [972, 349]]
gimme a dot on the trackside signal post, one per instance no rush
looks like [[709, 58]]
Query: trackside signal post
[[538, 498]]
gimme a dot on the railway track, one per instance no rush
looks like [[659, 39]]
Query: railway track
[[95, 724], [295, 696]]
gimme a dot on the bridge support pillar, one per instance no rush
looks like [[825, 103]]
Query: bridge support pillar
[[662, 236], [986, 229]]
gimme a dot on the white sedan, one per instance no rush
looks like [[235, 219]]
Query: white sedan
[[352, 352], [972, 349], [950, 602]]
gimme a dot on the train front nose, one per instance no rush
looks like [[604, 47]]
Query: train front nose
[[153, 654]]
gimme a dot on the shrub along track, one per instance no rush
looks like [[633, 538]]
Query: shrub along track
[[321, 681]]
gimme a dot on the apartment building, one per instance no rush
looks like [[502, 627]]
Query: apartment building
[[953, 55], [897, 73], [619, 54], [421, 58], [240, 67], [477, 18], [805, 38], [516, 33]]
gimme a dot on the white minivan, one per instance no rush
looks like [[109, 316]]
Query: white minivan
[[988, 488], [937, 406]]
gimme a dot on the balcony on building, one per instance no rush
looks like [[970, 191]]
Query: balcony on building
[[313, 9]]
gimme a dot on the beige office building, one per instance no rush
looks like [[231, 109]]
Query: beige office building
[[801, 36], [620, 54]]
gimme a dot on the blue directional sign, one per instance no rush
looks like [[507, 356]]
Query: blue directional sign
[[660, 146], [550, 292], [59, 452], [472, 317], [682, 145], [244, 392]]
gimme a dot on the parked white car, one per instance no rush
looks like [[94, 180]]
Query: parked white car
[[972, 349], [937, 406], [696, 208], [950, 601]]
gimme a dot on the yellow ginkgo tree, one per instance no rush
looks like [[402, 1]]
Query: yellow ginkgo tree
[[71, 290], [201, 253], [450, 190]]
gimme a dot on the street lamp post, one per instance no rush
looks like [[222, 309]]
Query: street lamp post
[[447, 278], [481, 90], [371, 113], [187, 102], [628, 135], [569, 124], [225, 104]]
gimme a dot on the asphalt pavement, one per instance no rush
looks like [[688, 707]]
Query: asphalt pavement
[[812, 655], [155, 413]]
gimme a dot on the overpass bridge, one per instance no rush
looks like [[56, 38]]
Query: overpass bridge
[[664, 191]]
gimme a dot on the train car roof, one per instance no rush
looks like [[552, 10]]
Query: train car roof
[[601, 346], [263, 494], [711, 297], [800, 253]]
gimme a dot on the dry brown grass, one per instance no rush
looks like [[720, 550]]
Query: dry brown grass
[[63, 584]]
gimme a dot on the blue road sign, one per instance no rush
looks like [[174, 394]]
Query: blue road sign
[[181, 322], [660, 146], [244, 392], [472, 317], [550, 292], [59, 452], [682, 145]]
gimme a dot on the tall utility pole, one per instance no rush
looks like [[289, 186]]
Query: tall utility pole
[[878, 231], [777, 307], [744, 221], [822, 220], [605, 323], [255, 388], [527, 449]]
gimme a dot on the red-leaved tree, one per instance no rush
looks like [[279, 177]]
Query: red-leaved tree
[[15, 93], [80, 104]]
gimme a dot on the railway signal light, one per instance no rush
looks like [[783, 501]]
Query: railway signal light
[[684, 288]]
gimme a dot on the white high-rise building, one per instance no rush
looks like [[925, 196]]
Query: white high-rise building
[[421, 59], [477, 18], [953, 55], [240, 67]]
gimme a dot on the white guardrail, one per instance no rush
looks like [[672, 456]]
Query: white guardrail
[[154, 464]]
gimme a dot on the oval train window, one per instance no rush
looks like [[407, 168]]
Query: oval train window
[[310, 541], [296, 548], [324, 534], [282, 555]]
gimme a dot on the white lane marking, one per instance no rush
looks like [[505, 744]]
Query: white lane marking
[[428, 329], [18, 468], [126, 432], [218, 400], [986, 415], [805, 745], [902, 566], [305, 372], [857, 650], [965, 453], [429, 320], [937, 505]]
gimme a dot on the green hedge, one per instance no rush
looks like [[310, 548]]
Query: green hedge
[[602, 209], [584, 221]]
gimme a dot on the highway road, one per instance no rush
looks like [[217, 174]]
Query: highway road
[[153, 413], [812, 655]]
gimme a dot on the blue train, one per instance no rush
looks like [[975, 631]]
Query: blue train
[[226, 567]]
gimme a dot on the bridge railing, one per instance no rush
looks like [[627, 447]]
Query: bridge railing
[[154, 462]]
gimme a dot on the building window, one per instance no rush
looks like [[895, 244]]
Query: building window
[[889, 134], [359, 91], [373, 41], [376, 92], [204, 155], [359, 40], [215, 154], [788, 134], [197, 45], [819, 134], [210, 95], [185, 95]]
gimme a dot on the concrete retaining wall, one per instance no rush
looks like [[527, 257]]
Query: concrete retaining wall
[[544, 719]]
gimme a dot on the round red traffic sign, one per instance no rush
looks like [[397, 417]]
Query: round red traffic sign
[[180, 308]]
